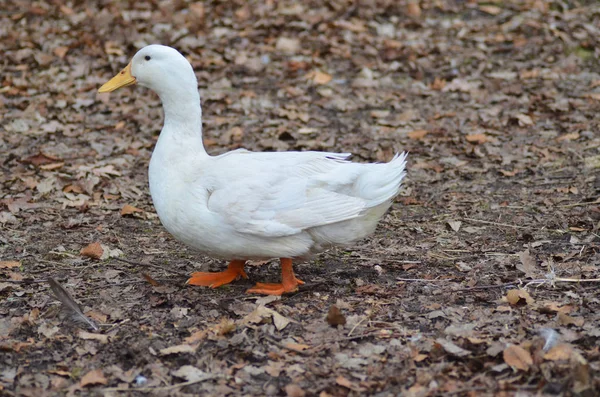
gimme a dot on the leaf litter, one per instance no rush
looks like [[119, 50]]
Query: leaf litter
[[493, 239]]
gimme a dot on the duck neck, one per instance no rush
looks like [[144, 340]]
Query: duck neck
[[183, 118]]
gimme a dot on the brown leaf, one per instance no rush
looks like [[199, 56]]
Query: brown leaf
[[150, 280], [94, 250], [293, 390], [517, 357], [129, 210], [9, 264], [562, 351], [91, 336], [492, 10], [592, 95], [572, 136], [344, 382], [197, 10], [417, 134], [510, 173], [197, 336], [476, 138], [320, 77], [288, 45], [61, 51], [40, 159], [524, 120], [177, 349], [565, 319], [335, 316], [413, 9], [95, 377], [52, 166], [452, 348], [15, 276], [438, 84], [454, 225], [518, 296], [528, 264], [297, 346], [264, 313]]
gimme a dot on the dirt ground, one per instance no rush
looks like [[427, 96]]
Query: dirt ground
[[481, 280]]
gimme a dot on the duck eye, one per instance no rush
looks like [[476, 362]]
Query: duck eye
[[147, 57]]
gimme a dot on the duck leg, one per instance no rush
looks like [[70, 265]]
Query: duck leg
[[234, 271], [289, 282]]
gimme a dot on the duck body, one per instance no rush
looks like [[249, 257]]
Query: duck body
[[266, 205], [245, 205]]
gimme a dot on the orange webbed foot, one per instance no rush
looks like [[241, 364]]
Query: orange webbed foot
[[289, 282], [234, 271]]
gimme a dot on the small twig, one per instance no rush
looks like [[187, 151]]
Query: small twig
[[496, 223], [163, 388], [577, 280], [580, 204], [24, 281], [357, 324], [350, 338], [183, 274], [281, 345], [462, 391], [424, 280], [488, 286], [115, 325]]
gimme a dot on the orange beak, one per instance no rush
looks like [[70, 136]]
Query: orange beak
[[123, 79]]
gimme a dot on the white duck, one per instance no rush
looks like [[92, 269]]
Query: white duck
[[243, 205]]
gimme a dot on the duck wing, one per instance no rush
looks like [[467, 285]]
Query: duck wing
[[283, 194]]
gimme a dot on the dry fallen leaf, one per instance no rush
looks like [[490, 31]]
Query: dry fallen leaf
[[190, 373], [177, 349], [288, 45], [261, 313], [438, 84], [52, 166], [9, 264], [571, 136], [95, 377], [413, 9], [476, 138], [592, 95], [129, 210], [335, 316], [489, 9], [562, 351], [320, 77], [94, 250], [91, 336], [197, 336], [344, 382], [293, 390], [417, 134], [517, 357], [297, 346], [565, 319], [527, 264], [40, 159], [509, 173], [451, 348], [455, 225], [518, 296], [61, 51], [150, 280], [524, 120]]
